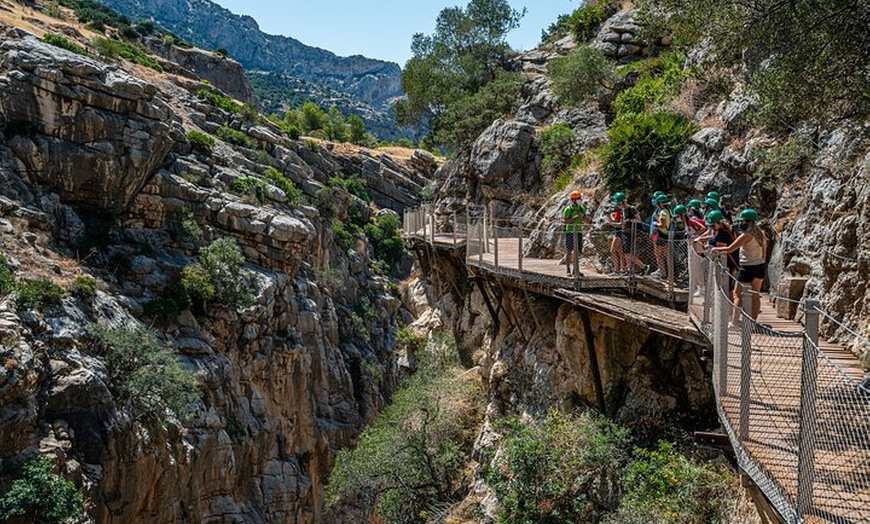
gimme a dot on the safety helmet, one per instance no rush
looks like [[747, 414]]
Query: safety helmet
[[680, 210], [694, 203], [619, 196], [748, 215], [658, 194], [713, 218], [714, 195], [661, 199], [574, 195], [712, 203]]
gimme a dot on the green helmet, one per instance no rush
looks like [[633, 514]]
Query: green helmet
[[714, 217], [658, 194], [748, 215], [661, 199], [680, 210], [714, 204], [619, 196], [694, 204], [714, 195]]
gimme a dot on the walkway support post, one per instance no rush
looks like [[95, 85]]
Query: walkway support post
[[480, 227], [745, 359], [717, 287], [807, 413], [455, 229], [593, 357]]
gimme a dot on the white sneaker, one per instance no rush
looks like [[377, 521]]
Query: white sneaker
[[699, 291], [655, 274]]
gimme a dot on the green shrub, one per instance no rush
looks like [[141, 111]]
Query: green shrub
[[562, 181], [127, 50], [249, 186], [584, 21], [660, 81], [64, 43], [777, 164], [344, 238], [200, 140], [234, 136], [383, 233], [642, 150], [84, 287], [219, 100], [7, 277], [161, 310], [144, 374], [548, 470], [53, 10], [39, 496], [353, 184], [581, 76], [219, 277], [294, 196], [38, 294], [558, 145], [663, 485], [412, 458], [186, 228]]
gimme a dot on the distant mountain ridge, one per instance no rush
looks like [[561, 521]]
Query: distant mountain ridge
[[376, 83]]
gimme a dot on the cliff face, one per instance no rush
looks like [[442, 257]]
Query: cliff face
[[373, 83], [95, 174]]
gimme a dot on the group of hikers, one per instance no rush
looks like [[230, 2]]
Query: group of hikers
[[702, 225]]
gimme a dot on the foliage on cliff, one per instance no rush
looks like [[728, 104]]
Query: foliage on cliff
[[573, 468], [411, 460], [446, 79], [39, 496], [807, 60]]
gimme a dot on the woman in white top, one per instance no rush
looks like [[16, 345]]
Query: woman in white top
[[753, 246]]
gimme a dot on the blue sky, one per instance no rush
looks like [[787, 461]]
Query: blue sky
[[380, 29]]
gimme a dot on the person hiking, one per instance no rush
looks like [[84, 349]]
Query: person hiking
[[661, 224], [574, 215], [624, 221], [752, 244], [720, 235]]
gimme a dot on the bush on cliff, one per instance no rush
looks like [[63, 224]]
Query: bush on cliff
[[38, 294], [219, 277], [39, 496], [580, 76], [7, 277], [412, 458], [109, 47], [144, 374], [200, 140], [64, 43], [466, 52]]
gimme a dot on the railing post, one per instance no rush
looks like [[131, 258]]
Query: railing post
[[708, 268], [745, 360], [671, 264], [432, 220], [485, 229], [480, 241], [520, 250], [495, 244], [576, 261], [717, 290], [807, 413]]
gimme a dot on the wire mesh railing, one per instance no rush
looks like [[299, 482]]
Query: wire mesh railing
[[541, 251], [799, 424]]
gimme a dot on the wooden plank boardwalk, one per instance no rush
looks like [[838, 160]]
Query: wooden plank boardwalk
[[772, 444], [841, 485]]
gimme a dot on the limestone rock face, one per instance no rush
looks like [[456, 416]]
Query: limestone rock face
[[80, 127], [284, 382]]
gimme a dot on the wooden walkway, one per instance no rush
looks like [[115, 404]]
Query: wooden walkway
[[771, 447], [841, 486]]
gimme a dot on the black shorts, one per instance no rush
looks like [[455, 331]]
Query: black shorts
[[569, 240], [662, 240], [747, 274]]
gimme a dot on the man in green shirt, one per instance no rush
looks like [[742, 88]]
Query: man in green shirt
[[573, 215]]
